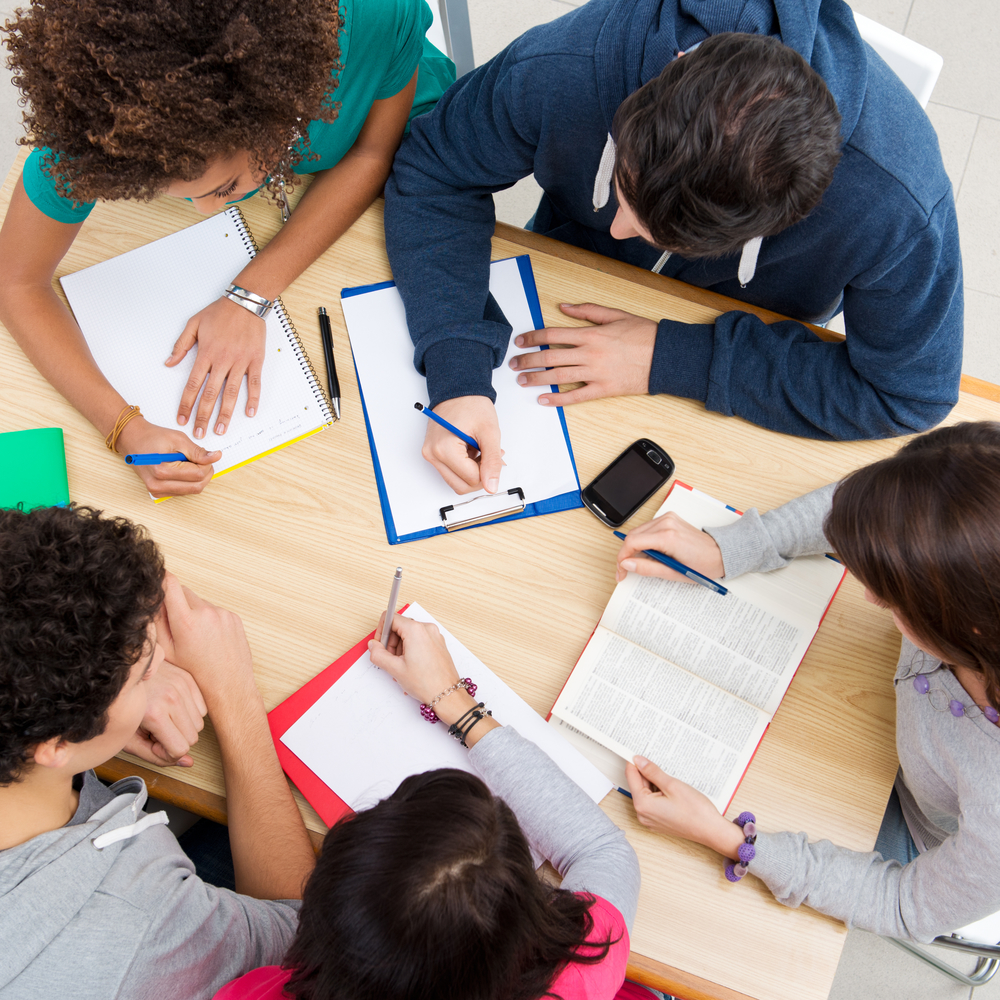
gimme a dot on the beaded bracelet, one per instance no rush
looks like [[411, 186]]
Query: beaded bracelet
[[463, 727], [123, 418], [427, 711], [747, 822]]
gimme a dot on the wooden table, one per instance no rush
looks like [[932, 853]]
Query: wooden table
[[295, 544]]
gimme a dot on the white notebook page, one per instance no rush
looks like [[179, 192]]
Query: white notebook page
[[132, 308], [538, 459], [364, 735]]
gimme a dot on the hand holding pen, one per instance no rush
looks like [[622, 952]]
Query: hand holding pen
[[682, 543], [463, 466]]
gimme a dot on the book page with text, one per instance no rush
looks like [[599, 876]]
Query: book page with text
[[727, 641], [634, 702]]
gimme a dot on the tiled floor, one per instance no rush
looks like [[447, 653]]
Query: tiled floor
[[965, 110]]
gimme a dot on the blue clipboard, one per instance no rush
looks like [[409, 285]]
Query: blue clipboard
[[565, 501]]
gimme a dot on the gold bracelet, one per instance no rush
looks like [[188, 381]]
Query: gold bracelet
[[123, 418]]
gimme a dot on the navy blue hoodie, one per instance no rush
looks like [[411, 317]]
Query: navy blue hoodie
[[882, 244]]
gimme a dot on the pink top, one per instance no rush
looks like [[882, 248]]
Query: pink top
[[603, 981]]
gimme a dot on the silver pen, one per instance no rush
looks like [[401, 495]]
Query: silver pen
[[393, 595]]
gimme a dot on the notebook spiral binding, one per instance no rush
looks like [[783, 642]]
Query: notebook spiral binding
[[286, 324]]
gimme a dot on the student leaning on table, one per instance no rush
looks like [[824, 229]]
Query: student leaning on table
[[759, 149], [209, 102], [432, 893], [921, 531], [97, 898]]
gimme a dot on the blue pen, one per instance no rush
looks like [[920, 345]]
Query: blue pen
[[154, 459], [678, 567], [471, 442]]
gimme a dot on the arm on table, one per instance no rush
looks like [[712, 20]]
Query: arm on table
[[272, 854], [941, 890], [897, 372], [751, 544], [439, 220], [231, 339], [31, 246]]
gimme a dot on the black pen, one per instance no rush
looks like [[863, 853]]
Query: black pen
[[331, 364]]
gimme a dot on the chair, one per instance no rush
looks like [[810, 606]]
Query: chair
[[970, 941], [917, 66], [451, 33]]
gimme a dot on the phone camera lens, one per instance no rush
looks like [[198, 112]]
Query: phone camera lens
[[654, 457]]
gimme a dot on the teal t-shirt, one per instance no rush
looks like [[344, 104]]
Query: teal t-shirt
[[370, 71]]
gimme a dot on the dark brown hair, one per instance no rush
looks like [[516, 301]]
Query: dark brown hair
[[432, 895], [921, 530], [131, 94], [77, 593], [737, 139]]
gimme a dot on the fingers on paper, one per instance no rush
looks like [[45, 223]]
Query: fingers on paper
[[253, 386], [215, 384], [491, 458], [453, 459], [184, 343]]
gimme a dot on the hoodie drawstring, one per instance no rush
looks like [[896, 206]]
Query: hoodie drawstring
[[158, 818], [602, 182], [748, 260]]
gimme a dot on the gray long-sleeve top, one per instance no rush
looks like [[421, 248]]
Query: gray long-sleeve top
[[947, 782], [559, 819]]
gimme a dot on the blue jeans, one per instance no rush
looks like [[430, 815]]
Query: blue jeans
[[894, 840]]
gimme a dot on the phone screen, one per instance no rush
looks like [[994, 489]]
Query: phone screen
[[626, 483]]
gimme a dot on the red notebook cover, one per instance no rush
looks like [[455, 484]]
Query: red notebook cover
[[320, 796]]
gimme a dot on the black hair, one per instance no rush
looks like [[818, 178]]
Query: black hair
[[432, 895], [77, 593], [737, 139]]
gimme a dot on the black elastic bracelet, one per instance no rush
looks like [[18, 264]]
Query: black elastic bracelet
[[456, 726], [479, 716], [464, 725]]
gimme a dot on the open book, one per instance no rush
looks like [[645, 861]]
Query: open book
[[131, 329], [690, 678]]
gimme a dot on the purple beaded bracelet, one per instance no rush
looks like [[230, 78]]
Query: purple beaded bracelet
[[427, 711], [747, 822]]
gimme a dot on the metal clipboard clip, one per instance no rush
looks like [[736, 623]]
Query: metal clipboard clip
[[488, 507]]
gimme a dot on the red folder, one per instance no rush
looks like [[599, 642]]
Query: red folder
[[320, 796]]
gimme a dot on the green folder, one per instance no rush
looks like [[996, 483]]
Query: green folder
[[34, 464]]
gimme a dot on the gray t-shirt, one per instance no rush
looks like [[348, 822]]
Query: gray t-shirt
[[129, 920], [947, 781]]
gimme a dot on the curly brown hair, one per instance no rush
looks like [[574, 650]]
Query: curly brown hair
[[132, 94], [77, 593]]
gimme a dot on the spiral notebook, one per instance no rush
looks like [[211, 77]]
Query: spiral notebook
[[132, 309]]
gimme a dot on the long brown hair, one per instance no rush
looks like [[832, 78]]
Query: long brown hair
[[921, 530], [432, 895]]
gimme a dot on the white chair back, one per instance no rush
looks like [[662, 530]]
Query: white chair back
[[916, 65]]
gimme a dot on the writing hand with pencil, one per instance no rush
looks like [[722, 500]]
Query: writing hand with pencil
[[673, 536], [464, 468]]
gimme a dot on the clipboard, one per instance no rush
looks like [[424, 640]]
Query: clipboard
[[515, 501]]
